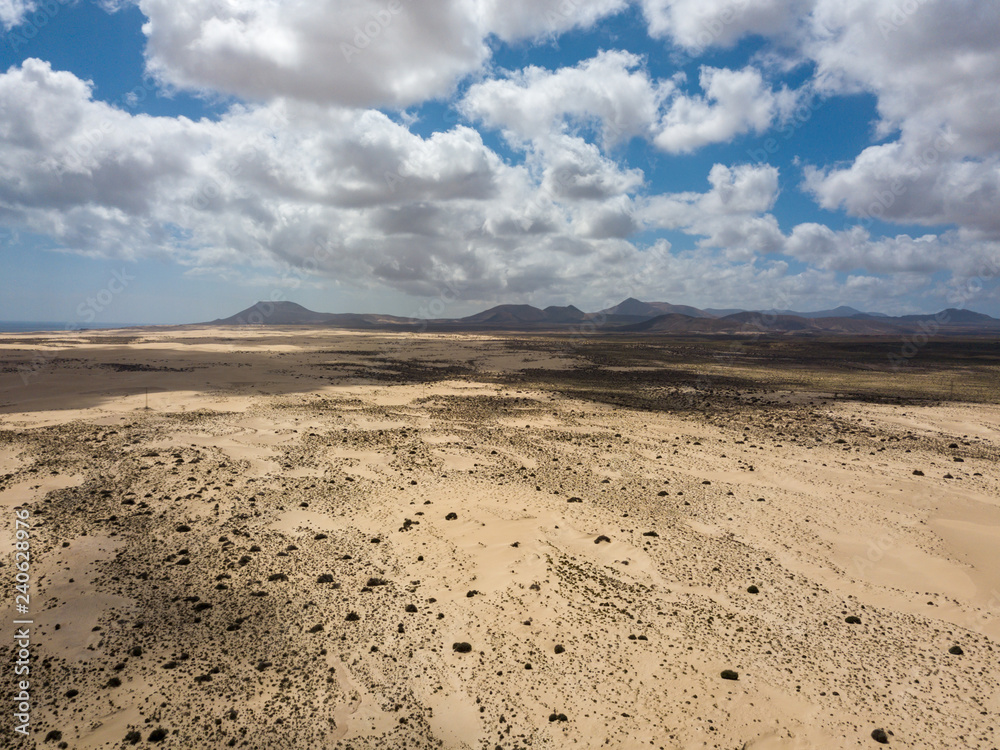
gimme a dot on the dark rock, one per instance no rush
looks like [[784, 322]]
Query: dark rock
[[880, 736], [462, 648], [728, 674], [853, 620], [451, 517], [753, 590], [956, 651]]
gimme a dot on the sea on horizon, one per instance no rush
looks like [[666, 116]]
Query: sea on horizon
[[34, 326]]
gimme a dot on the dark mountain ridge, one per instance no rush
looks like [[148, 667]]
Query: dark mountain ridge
[[632, 316]]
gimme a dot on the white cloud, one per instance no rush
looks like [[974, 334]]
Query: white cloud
[[856, 250], [262, 185], [609, 91], [934, 65], [917, 183], [360, 53], [735, 102], [364, 53], [12, 12], [613, 94], [526, 19], [699, 24]]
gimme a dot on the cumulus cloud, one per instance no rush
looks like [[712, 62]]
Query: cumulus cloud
[[730, 215], [935, 70], [734, 102], [525, 19], [348, 192], [917, 183], [304, 172], [362, 53], [12, 12], [610, 92], [933, 65], [366, 53], [699, 24]]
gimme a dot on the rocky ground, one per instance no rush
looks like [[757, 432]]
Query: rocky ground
[[334, 540]]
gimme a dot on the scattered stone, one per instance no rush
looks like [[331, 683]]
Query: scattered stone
[[880, 736]]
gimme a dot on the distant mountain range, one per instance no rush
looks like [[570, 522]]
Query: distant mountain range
[[632, 316]]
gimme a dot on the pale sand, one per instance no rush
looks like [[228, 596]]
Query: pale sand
[[321, 450]]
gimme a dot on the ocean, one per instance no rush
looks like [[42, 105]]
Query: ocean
[[30, 326]]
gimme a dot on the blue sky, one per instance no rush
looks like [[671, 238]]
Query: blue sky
[[175, 162]]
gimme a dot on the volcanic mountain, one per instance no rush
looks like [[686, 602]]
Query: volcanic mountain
[[633, 316]]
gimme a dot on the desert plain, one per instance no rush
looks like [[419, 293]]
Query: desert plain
[[315, 538]]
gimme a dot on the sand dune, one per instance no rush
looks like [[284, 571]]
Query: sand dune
[[285, 549]]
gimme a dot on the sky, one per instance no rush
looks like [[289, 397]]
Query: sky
[[175, 161]]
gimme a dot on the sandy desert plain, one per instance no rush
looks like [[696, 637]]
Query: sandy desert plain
[[289, 547]]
